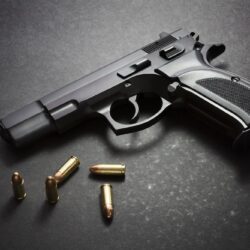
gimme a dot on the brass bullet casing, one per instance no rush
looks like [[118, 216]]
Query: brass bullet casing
[[18, 186], [67, 169], [108, 169], [107, 201], [51, 190]]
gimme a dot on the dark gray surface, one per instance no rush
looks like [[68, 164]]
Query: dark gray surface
[[184, 189]]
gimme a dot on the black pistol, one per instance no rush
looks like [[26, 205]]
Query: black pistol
[[175, 69]]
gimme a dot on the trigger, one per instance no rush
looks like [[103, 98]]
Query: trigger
[[133, 101]]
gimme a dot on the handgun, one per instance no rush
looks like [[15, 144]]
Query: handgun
[[175, 70]]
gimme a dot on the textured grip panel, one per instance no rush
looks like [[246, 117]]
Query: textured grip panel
[[232, 91]]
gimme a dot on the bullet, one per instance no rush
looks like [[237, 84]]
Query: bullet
[[107, 201], [108, 169], [51, 190], [18, 186], [66, 169]]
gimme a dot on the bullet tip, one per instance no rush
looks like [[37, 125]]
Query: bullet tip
[[51, 190], [17, 178], [51, 181], [92, 169], [108, 212]]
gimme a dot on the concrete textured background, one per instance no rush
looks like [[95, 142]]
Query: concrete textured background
[[184, 189]]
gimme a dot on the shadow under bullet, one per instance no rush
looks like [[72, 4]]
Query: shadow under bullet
[[45, 211], [10, 207]]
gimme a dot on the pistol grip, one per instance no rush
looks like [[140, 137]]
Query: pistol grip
[[222, 95]]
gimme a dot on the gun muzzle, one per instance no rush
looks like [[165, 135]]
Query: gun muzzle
[[26, 124]]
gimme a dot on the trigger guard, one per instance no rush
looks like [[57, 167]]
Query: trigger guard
[[120, 128]]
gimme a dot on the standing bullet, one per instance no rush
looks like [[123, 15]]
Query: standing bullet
[[67, 169], [51, 190], [108, 169], [18, 186], [107, 201]]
